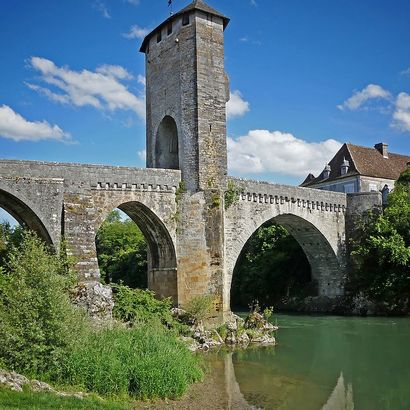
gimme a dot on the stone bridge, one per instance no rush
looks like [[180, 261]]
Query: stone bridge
[[72, 200], [178, 201]]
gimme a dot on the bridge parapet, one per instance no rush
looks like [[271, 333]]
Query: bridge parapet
[[312, 199], [95, 176]]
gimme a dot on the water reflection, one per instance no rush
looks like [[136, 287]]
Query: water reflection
[[324, 363], [341, 397]]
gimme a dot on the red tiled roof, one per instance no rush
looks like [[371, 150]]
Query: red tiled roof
[[363, 161]]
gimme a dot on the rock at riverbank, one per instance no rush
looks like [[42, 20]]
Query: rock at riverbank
[[253, 329], [16, 382]]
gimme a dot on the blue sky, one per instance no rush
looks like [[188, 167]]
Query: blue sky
[[305, 76]]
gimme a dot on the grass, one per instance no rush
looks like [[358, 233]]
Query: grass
[[39, 401], [143, 362]]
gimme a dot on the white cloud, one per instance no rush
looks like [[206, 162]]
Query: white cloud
[[142, 155], [142, 80], [360, 98], [401, 115], [253, 3], [136, 32], [406, 72], [115, 71], [101, 89], [263, 151], [133, 2], [236, 106], [17, 128], [102, 8]]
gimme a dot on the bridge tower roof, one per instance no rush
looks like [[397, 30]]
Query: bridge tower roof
[[195, 5]]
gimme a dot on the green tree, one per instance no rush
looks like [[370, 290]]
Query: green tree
[[122, 252], [10, 236], [271, 266], [382, 251]]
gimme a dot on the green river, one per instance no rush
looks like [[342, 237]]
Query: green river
[[322, 363]]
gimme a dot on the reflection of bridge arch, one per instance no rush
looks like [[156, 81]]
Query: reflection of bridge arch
[[162, 263], [24, 213], [317, 226]]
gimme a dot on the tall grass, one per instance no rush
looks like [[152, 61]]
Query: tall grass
[[145, 361]]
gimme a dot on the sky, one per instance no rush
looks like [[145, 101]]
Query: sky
[[305, 77]]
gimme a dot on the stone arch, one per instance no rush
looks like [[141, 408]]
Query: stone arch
[[167, 144], [23, 212], [326, 270], [162, 262]]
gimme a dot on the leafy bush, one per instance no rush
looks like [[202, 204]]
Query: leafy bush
[[136, 305], [38, 324], [43, 335], [145, 361], [199, 307]]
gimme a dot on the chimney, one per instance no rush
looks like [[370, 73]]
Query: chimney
[[382, 148]]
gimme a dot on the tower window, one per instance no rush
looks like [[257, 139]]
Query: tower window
[[159, 36], [185, 19], [169, 29]]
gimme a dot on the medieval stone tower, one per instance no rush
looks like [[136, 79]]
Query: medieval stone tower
[[187, 90]]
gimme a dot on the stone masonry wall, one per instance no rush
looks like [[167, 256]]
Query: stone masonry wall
[[315, 218]]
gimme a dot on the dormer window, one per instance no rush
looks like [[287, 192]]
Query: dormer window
[[326, 171], [185, 19], [169, 29], [159, 36], [344, 168]]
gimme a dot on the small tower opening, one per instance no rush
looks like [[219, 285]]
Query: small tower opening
[[166, 146]]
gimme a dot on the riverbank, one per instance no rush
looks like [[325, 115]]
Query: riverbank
[[357, 305]]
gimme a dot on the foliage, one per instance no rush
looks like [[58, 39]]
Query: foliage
[[136, 305], [267, 313], [10, 236], [122, 252], [199, 307], [180, 191], [28, 399], [271, 266], [232, 194], [382, 250], [145, 361], [37, 321], [43, 335]]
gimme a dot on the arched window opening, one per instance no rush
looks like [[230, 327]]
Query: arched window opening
[[271, 269], [166, 146]]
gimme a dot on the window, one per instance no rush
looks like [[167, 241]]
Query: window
[[159, 36], [349, 188], [185, 19], [169, 29]]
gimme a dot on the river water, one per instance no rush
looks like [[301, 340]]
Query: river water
[[322, 363]]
